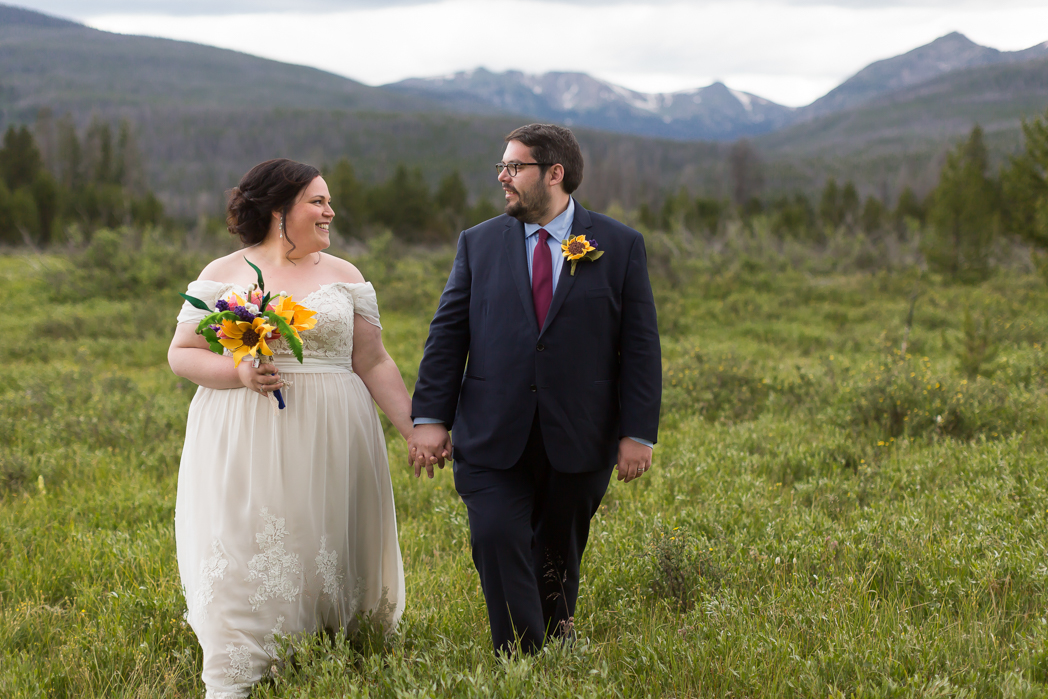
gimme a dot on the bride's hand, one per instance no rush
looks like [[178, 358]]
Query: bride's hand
[[263, 379]]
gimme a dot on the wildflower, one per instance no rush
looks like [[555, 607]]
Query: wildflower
[[244, 314], [575, 248], [243, 338], [297, 316]]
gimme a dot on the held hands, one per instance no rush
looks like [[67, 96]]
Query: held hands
[[428, 446], [634, 459], [263, 379]]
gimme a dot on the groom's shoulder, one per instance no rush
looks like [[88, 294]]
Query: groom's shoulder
[[488, 232], [492, 225]]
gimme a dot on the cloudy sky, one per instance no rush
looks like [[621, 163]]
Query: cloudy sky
[[790, 51]]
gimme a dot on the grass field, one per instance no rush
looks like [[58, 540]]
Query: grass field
[[826, 517]]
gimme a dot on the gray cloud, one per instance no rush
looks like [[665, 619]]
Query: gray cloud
[[78, 9]]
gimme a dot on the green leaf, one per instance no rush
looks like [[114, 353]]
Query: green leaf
[[265, 302], [286, 331], [195, 302], [261, 284], [212, 340], [594, 254], [214, 319]]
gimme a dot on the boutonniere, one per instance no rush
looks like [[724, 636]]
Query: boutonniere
[[578, 248]]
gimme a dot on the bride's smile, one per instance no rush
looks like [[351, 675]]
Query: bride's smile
[[308, 220]]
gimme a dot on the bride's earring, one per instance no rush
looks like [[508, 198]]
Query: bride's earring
[[281, 229]]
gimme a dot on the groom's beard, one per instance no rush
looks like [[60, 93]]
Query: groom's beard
[[531, 205]]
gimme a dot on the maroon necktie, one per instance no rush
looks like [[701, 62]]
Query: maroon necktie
[[542, 278]]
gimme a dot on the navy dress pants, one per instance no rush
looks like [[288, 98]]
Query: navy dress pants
[[528, 528]]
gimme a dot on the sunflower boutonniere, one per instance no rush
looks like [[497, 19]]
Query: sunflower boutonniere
[[578, 248]]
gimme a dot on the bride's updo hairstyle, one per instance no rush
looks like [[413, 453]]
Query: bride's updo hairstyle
[[270, 186]]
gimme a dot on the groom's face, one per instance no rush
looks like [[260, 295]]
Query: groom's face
[[527, 194]]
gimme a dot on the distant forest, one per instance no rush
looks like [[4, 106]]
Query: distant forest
[[58, 184]]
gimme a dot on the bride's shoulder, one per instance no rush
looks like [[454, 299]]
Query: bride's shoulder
[[344, 271], [221, 269]]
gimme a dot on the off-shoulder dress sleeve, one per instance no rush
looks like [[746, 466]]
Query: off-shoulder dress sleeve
[[207, 291], [365, 302]]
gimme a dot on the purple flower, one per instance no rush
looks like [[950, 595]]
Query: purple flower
[[593, 243], [221, 305], [244, 314]]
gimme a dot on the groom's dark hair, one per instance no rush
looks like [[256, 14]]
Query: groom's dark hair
[[553, 144]]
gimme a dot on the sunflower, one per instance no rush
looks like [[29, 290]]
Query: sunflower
[[243, 338], [576, 248], [297, 316]]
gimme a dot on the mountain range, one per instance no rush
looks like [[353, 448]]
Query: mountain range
[[205, 114], [714, 113]]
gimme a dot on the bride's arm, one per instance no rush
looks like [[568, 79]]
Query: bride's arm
[[191, 359], [379, 373]]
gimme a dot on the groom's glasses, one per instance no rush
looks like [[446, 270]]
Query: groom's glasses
[[514, 168]]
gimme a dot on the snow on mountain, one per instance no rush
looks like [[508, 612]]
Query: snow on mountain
[[714, 112]]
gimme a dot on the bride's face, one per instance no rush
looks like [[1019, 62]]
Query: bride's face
[[309, 218]]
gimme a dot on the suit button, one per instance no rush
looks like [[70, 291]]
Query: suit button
[[534, 388], [540, 347]]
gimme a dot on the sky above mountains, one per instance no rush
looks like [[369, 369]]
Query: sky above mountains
[[789, 51]]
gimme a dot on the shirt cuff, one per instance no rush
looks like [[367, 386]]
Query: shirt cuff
[[638, 440], [426, 421]]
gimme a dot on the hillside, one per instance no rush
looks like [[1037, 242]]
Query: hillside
[[996, 96], [69, 67], [947, 54]]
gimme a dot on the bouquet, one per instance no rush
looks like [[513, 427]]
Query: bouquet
[[242, 325]]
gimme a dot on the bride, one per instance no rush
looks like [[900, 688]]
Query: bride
[[284, 519]]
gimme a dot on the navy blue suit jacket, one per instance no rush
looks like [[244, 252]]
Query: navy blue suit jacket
[[594, 371]]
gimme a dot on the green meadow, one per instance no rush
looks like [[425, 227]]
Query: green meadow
[[849, 496]]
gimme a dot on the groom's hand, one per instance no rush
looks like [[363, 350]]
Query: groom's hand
[[634, 459], [428, 446]]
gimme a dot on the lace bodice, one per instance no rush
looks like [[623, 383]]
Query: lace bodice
[[335, 304]]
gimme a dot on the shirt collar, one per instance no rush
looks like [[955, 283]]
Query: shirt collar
[[559, 227]]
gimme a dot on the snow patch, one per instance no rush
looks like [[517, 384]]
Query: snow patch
[[638, 100], [567, 100], [743, 98]]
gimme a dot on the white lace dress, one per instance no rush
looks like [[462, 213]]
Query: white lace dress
[[284, 520]]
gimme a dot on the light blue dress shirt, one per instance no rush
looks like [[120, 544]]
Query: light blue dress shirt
[[558, 229]]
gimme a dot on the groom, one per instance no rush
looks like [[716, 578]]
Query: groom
[[549, 373]]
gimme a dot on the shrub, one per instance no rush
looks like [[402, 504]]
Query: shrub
[[904, 398], [125, 264], [681, 567]]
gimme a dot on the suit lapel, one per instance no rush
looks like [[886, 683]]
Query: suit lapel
[[579, 226], [513, 244]]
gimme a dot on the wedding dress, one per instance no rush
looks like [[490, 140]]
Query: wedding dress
[[284, 519]]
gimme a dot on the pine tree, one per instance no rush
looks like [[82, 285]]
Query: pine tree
[[830, 209], [1025, 184], [20, 159], [909, 206], [849, 204], [873, 213], [404, 204], [98, 146], [747, 176], [347, 199], [964, 216], [69, 156], [452, 201]]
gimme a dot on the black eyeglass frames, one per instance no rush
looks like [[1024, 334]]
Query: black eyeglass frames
[[514, 168]]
